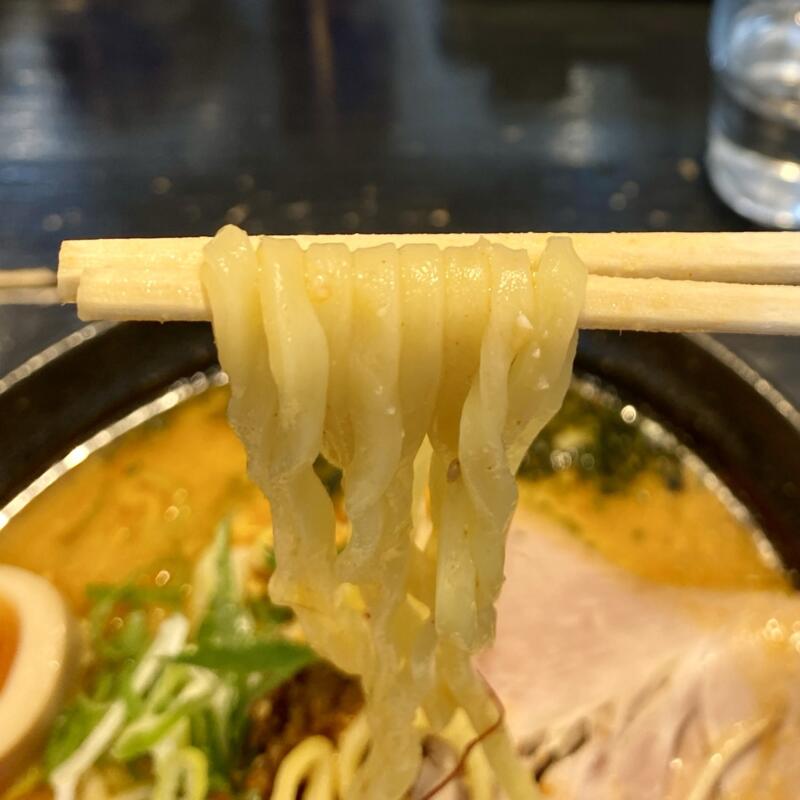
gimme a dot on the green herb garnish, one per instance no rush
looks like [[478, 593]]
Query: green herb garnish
[[596, 443], [190, 716]]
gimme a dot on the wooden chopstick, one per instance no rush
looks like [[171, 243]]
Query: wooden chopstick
[[29, 286], [654, 304], [679, 282], [27, 278], [650, 304], [754, 257]]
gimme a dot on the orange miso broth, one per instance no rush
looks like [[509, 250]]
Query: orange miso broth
[[144, 507], [619, 532]]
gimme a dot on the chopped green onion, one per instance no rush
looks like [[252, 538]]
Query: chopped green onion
[[169, 640], [179, 691], [184, 776]]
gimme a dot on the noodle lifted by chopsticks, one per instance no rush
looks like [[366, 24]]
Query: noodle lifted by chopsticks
[[366, 356]]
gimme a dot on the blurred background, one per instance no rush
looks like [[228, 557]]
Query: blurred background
[[155, 118]]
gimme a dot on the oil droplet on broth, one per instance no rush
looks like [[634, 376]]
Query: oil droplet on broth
[[163, 577]]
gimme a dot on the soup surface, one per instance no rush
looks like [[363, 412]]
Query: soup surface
[[146, 506], [142, 511]]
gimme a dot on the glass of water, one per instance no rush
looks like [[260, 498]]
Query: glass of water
[[753, 153]]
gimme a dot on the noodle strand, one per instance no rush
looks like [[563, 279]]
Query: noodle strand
[[410, 369]]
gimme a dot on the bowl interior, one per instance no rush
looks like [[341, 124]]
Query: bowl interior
[[713, 404]]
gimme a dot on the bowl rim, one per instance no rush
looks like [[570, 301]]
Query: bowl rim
[[710, 399], [777, 399]]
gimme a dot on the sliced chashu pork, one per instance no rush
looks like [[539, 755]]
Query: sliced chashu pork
[[651, 681], [724, 723]]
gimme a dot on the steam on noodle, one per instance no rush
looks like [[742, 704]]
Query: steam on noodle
[[367, 356]]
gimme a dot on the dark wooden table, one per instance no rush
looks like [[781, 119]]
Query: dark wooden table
[[154, 119]]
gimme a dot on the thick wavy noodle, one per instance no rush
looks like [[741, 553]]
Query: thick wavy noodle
[[411, 369]]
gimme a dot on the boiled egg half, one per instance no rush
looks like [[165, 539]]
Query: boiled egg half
[[38, 656]]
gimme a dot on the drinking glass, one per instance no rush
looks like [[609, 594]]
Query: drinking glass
[[753, 154]]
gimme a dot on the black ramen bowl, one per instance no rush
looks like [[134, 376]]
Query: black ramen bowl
[[713, 403]]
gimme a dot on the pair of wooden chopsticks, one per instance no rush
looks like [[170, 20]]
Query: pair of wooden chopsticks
[[28, 286], [718, 282]]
